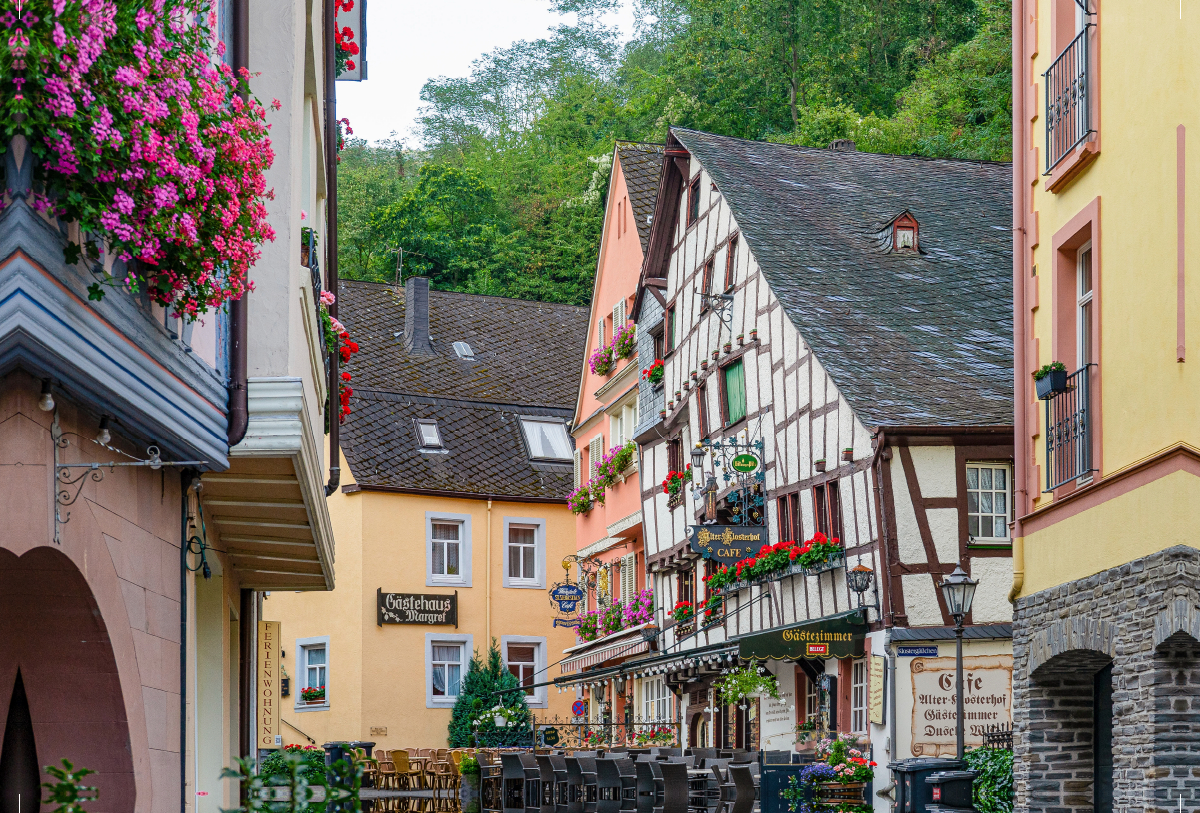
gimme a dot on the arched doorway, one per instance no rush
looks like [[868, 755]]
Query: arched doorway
[[53, 632]]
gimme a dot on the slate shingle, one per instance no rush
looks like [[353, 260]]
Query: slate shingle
[[641, 164], [909, 339], [526, 363]]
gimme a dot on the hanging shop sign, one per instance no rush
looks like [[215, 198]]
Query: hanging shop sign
[[269, 725], [838, 636], [875, 691], [567, 596], [987, 701], [728, 544], [550, 736], [416, 608], [744, 463]]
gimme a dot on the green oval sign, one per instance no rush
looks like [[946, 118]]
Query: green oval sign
[[745, 463]]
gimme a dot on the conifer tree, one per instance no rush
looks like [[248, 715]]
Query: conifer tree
[[488, 686]]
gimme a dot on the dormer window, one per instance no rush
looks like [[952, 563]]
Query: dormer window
[[904, 233], [547, 439], [464, 351], [428, 435]]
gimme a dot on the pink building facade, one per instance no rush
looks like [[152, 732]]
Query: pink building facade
[[608, 490]]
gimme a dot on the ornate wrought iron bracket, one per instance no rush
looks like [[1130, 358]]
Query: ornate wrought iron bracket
[[68, 485], [722, 307]]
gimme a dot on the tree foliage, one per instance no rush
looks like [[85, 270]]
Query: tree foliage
[[486, 686], [506, 192]]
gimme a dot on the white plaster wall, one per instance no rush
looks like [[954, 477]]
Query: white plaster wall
[[943, 527], [908, 535], [920, 600], [935, 470], [994, 575]]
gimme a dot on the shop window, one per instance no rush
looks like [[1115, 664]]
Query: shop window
[[859, 696]]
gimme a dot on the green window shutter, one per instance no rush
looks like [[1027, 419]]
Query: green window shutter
[[735, 392]]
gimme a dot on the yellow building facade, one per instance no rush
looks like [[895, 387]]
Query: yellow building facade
[[1107, 243], [451, 518]]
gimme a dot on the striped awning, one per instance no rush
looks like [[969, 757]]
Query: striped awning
[[621, 649]]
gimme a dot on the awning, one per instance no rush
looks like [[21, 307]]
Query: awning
[[621, 649], [834, 636]]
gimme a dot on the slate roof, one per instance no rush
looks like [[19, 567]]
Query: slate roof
[[909, 339], [641, 164], [526, 363]]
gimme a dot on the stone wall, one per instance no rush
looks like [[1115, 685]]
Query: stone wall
[[1142, 618]]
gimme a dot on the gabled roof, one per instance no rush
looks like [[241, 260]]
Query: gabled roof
[[909, 338], [641, 165], [526, 357]]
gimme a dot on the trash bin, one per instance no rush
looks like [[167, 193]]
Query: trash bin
[[333, 752], [913, 795], [951, 791]]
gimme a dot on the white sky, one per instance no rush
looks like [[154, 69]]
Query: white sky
[[411, 41]]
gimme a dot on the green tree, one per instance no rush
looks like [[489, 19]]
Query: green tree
[[487, 686]]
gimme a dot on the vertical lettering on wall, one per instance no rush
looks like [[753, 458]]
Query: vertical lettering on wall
[[268, 684]]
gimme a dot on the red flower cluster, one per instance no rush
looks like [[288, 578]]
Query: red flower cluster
[[346, 348], [676, 479], [772, 558], [654, 373], [346, 46], [682, 611]]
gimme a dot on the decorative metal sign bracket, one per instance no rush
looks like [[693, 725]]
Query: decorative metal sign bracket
[[722, 308], [69, 484]]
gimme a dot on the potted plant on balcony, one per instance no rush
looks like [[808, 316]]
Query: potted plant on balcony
[[624, 343], [848, 453], [820, 553], [312, 695], [601, 360], [580, 500], [673, 485], [683, 612], [819, 464], [714, 610], [1050, 380], [654, 373]]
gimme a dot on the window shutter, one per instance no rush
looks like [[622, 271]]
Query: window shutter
[[618, 315], [595, 453], [628, 577], [578, 461], [599, 333]]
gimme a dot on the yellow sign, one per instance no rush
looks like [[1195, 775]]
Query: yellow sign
[[269, 730], [875, 693], [987, 701]]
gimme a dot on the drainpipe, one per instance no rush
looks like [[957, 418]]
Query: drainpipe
[[238, 317], [186, 480], [1021, 501], [487, 594], [333, 410]]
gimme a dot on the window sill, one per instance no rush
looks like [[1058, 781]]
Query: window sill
[[1073, 165], [442, 581], [300, 708], [441, 703], [985, 544], [523, 585]]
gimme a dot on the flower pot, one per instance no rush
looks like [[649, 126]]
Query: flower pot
[[715, 355], [741, 339], [847, 454], [662, 413], [835, 792], [704, 364], [819, 464], [694, 375], [754, 335], [304, 254], [728, 347], [677, 394], [1051, 384]]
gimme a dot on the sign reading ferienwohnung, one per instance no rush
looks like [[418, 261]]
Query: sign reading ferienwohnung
[[269, 729], [987, 701]]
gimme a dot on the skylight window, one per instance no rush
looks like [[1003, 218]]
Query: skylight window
[[464, 351], [547, 439], [428, 435]]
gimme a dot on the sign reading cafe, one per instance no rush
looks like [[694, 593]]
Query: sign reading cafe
[[416, 608], [728, 544]]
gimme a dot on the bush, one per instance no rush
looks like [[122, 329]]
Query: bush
[[994, 785], [274, 764]]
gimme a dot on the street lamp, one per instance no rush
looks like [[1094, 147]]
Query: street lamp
[[698, 453], [959, 591]]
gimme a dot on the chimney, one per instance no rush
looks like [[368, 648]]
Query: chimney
[[842, 145], [416, 316]]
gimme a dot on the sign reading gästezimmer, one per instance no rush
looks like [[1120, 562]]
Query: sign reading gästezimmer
[[416, 608], [727, 544]]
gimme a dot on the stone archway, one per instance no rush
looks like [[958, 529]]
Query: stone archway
[[54, 634]]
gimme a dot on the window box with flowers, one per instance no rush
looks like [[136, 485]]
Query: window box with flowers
[[836, 782], [654, 373], [611, 468], [1050, 380], [313, 696], [601, 361], [673, 486], [617, 617], [145, 140], [772, 562], [683, 613], [654, 736]]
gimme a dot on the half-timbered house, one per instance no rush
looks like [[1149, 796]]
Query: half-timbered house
[[852, 312]]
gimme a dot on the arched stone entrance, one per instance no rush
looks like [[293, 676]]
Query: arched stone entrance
[[54, 633]]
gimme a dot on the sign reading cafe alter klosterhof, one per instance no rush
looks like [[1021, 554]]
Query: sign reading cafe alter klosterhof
[[416, 608], [728, 544]]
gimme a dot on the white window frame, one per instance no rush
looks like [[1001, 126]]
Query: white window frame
[[812, 698], [540, 698], [655, 698], [467, 642], [539, 580], [543, 419], [463, 579], [860, 703], [1008, 480], [1084, 300], [301, 650], [432, 422]]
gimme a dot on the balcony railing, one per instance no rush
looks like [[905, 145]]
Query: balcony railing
[[1069, 431], [1068, 110]]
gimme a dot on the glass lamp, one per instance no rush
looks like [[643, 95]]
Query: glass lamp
[[959, 590]]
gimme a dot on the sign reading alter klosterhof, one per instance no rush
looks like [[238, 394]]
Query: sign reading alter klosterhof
[[416, 608], [728, 544], [987, 701]]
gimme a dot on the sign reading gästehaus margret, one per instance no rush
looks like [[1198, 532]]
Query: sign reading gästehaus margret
[[416, 608]]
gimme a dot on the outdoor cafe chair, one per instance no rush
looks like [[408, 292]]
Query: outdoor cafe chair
[[562, 786], [546, 783], [649, 787], [408, 774], [575, 790], [615, 784], [744, 790], [675, 788], [590, 795]]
